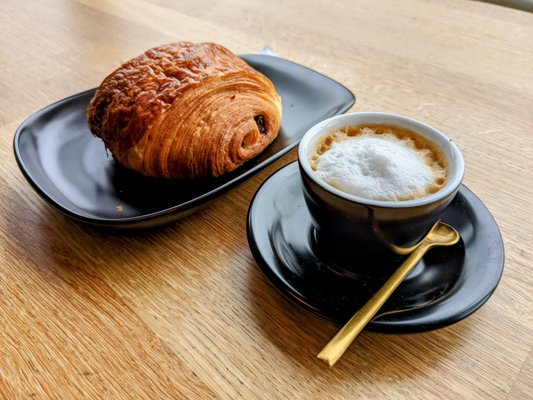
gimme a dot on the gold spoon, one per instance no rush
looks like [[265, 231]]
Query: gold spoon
[[439, 235]]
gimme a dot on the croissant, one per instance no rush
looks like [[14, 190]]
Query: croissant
[[185, 110]]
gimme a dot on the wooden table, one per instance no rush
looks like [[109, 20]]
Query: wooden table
[[184, 311]]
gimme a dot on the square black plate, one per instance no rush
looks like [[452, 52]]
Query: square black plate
[[71, 169]]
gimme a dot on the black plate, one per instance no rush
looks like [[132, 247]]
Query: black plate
[[448, 284], [71, 169]]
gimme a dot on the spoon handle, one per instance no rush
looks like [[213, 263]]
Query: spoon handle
[[340, 342]]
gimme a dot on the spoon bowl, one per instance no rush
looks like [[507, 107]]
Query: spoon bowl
[[442, 235], [439, 235]]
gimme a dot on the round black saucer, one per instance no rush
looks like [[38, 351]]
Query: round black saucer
[[448, 285]]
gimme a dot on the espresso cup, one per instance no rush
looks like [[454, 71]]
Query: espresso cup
[[356, 234]]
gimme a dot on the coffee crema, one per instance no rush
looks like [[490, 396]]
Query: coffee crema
[[380, 162]]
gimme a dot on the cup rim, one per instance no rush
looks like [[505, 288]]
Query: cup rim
[[353, 118]]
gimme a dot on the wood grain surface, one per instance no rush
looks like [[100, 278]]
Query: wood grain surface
[[183, 311]]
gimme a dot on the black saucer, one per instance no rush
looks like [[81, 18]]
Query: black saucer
[[448, 285]]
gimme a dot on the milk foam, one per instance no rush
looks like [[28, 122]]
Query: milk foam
[[378, 166]]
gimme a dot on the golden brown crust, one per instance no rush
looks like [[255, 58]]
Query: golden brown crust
[[185, 110]]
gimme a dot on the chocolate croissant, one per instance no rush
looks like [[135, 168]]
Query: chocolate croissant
[[185, 110]]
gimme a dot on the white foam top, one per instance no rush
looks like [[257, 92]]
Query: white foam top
[[379, 167]]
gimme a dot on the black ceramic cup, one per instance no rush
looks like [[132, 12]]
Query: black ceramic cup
[[355, 235]]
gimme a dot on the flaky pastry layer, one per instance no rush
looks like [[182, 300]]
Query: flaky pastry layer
[[185, 110]]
